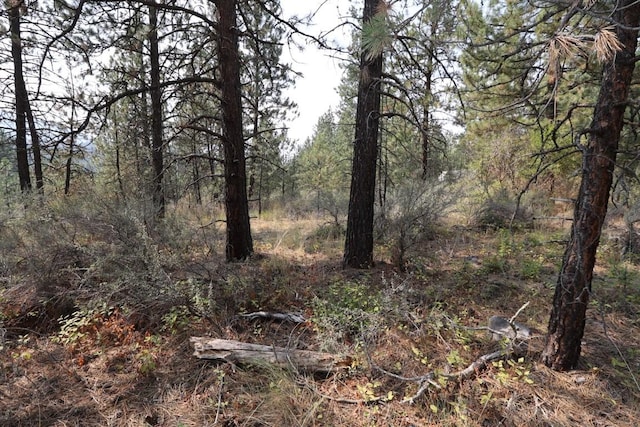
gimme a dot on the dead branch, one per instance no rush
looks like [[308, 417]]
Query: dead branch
[[246, 353], [283, 317]]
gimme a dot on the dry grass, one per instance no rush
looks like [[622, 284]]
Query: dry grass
[[117, 373]]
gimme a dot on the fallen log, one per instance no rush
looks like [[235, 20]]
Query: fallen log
[[246, 353]]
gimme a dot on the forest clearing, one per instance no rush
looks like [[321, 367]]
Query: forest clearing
[[454, 242], [124, 358]]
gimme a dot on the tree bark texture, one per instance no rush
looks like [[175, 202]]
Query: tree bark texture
[[240, 352], [35, 146], [156, 116], [358, 251], [239, 242], [21, 96], [567, 320]]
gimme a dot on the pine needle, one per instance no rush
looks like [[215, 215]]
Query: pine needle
[[606, 44], [376, 36], [565, 46]]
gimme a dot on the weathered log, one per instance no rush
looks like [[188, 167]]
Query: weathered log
[[241, 353]]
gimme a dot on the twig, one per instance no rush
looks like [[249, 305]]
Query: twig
[[342, 399], [518, 312], [219, 406], [285, 317], [430, 379]]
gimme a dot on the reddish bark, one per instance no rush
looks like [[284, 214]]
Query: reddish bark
[[567, 320], [239, 242], [358, 251]]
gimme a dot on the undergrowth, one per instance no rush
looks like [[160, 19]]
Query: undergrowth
[[117, 352]]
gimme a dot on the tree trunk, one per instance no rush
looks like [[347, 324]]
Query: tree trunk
[[197, 190], [239, 243], [358, 251], [67, 168], [72, 139], [21, 96], [35, 148], [156, 116], [567, 320], [427, 149], [118, 167]]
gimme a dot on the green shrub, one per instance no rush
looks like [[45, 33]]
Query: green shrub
[[323, 236], [502, 211], [346, 313]]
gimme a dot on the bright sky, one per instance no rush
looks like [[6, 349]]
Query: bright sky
[[315, 92]]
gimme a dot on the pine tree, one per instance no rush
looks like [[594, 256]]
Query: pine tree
[[264, 102], [358, 251], [567, 320], [239, 244]]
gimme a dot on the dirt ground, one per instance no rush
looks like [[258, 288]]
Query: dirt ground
[[108, 368]]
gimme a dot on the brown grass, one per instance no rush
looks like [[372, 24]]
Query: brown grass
[[118, 373]]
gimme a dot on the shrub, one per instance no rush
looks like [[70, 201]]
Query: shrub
[[89, 251], [502, 211], [411, 215], [326, 233], [345, 313]]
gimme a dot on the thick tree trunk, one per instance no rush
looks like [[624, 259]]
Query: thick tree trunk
[[21, 96], [567, 321], [358, 251], [239, 243], [156, 116]]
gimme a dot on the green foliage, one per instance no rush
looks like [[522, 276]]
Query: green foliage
[[75, 327], [494, 264], [346, 313], [176, 320], [325, 235], [147, 360], [411, 215], [454, 359], [323, 164], [267, 78], [376, 35], [513, 371], [531, 268], [9, 185], [502, 211]]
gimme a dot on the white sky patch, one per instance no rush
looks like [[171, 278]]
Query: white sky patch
[[316, 91]]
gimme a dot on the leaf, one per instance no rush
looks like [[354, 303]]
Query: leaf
[[486, 398], [616, 363]]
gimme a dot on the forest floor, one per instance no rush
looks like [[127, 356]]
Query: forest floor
[[121, 364]]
